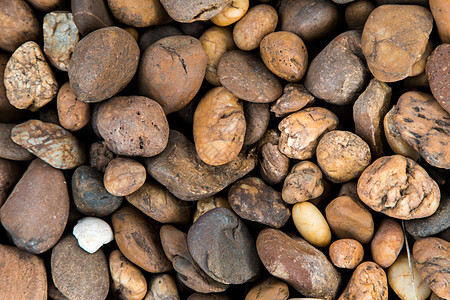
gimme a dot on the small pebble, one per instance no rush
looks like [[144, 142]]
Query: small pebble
[[346, 253], [387, 242], [92, 233], [124, 176], [311, 224]]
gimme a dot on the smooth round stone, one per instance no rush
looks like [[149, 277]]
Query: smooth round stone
[[9, 149], [10, 173], [311, 224], [162, 286], [78, 274], [92, 233], [368, 281], [441, 14], [407, 287], [73, 114], [269, 289], [89, 194], [227, 253], [50, 142], [346, 253], [124, 176], [438, 78], [36, 212], [23, 275], [295, 261], [387, 242]]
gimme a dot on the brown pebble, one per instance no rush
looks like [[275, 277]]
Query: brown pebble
[[357, 12], [139, 13], [90, 15], [441, 14], [124, 176], [10, 173], [274, 165], [162, 287], [295, 97], [9, 149], [437, 74], [269, 289], [206, 204], [100, 156], [257, 117], [387, 243], [346, 253], [72, 113], [303, 183]]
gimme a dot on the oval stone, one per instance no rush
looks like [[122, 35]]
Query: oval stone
[[368, 281], [9, 149], [437, 74]]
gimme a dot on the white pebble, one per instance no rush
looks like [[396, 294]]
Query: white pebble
[[92, 233]]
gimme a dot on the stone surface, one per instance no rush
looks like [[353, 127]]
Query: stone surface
[[271, 288], [295, 97], [36, 212], [298, 263], [50, 142], [73, 114], [311, 224], [10, 173], [100, 156], [9, 149], [346, 253], [387, 243], [437, 73], [90, 15], [357, 12], [206, 204], [188, 11], [274, 165], [139, 13], [226, 254], [257, 118], [92, 233], [124, 176], [303, 183], [441, 14], [162, 286], [78, 274]]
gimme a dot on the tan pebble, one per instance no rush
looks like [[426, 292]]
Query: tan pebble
[[387, 243], [124, 176], [204, 205], [269, 289], [162, 287], [311, 224], [72, 113], [232, 13], [346, 253]]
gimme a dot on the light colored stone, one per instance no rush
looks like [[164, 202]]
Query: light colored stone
[[92, 233], [311, 224]]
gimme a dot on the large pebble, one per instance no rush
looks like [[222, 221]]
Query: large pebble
[[139, 13], [350, 219], [311, 224], [398, 187], [432, 257], [50, 142], [303, 183], [89, 194], [226, 254], [438, 78], [271, 288], [92, 233], [10, 173], [9, 149], [23, 275], [29, 80], [78, 274], [37, 210], [346, 253], [298, 263], [254, 200], [406, 285], [387, 242], [441, 14], [138, 240]]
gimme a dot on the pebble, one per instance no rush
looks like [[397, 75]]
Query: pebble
[[51, 143], [311, 224], [350, 219], [187, 11], [92, 233], [228, 253], [387, 242], [438, 78], [439, 9], [346, 253], [295, 97], [100, 156], [407, 287], [78, 274], [162, 287], [303, 183], [89, 194], [274, 165], [10, 173], [269, 289], [124, 176], [23, 275], [198, 296], [73, 114], [9, 149], [432, 258], [90, 15], [36, 212], [204, 205], [257, 118]]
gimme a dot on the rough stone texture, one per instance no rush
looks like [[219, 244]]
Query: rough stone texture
[[162, 286], [73, 114], [180, 170], [156, 202], [90, 15], [100, 156], [257, 117], [10, 173], [102, 64], [138, 13], [350, 219], [8, 113], [29, 81], [346, 253], [387, 242], [271, 288], [398, 187], [254, 200], [92, 233], [60, 37], [9, 149], [437, 69], [36, 212], [424, 125], [155, 33], [368, 113], [226, 254], [50, 142], [133, 126], [23, 274], [138, 240], [18, 24], [187, 11], [295, 97], [78, 274], [338, 73], [274, 165], [301, 131], [441, 13], [357, 12], [247, 78], [303, 183], [394, 39], [298, 263], [175, 247], [432, 257], [206, 204], [437, 222], [369, 281]]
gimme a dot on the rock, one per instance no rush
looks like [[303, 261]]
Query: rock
[[311, 224], [138, 240], [346, 253], [50, 142], [439, 80], [410, 194], [257, 118], [60, 37], [92, 233], [303, 183], [29, 80], [432, 258], [206, 204], [405, 285], [295, 97], [23, 274], [10, 173], [298, 263], [350, 219], [139, 14], [387, 243], [357, 13], [226, 254], [368, 113], [89, 194], [437, 222], [187, 11], [9, 149], [198, 296], [180, 170], [73, 114], [78, 274], [424, 125], [338, 73], [271, 288], [274, 165], [36, 212], [254, 200], [368, 281], [100, 156], [128, 282], [124, 176], [439, 9], [90, 15], [175, 247], [162, 286]]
